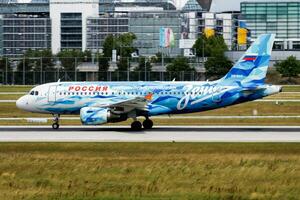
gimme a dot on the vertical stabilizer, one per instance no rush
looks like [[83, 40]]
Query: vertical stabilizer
[[252, 67]]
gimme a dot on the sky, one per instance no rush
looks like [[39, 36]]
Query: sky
[[180, 3], [220, 5]]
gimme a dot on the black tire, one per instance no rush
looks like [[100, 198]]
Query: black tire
[[55, 126], [148, 124], [136, 126]]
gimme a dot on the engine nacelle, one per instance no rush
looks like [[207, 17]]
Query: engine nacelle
[[98, 116]]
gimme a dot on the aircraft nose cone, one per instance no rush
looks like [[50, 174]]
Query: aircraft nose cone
[[21, 103]]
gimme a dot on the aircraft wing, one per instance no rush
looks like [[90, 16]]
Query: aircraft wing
[[139, 103], [127, 105]]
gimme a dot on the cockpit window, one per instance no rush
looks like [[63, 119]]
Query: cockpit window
[[36, 93], [32, 92]]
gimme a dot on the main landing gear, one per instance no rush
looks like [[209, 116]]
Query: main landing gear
[[137, 126], [148, 123], [55, 124]]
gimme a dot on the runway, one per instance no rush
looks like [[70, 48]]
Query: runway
[[158, 134]]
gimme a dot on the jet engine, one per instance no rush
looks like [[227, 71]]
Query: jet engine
[[98, 116]]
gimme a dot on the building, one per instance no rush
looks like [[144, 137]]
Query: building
[[84, 25], [77, 24], [279, 17]]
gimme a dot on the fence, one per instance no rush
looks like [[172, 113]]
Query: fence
[[35, 78], [40, 70]]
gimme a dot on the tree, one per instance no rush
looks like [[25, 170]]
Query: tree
[[125, 44], [108, 45], [122, 43], [71, 58], [3, 64], [142, 63], [123, 64], [179, 64], [289, 68], [211, 46], [216, 67], [35, 60], [159, 56], [103, 64]]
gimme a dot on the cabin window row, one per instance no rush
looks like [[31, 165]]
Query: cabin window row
[[127, 93]]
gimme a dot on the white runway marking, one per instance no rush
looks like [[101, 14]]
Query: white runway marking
[[167, 117], [158, 134]]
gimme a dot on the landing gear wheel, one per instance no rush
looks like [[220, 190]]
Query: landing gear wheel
[[136, 126], [55, 126], [148, 124]]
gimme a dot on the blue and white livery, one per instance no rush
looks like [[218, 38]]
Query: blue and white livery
[[104, 102]]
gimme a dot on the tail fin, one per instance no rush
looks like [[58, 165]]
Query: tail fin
[[253, 65]]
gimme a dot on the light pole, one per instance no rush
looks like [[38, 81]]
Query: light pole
[[6, 68], [24, 71], [75, 68], [41, 73], [128, 69], [145, 69]]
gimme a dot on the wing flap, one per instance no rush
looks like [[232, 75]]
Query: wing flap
[[127, 105]]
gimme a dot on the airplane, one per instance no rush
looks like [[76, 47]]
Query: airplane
[[99, 103]]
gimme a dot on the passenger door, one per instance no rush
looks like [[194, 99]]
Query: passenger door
[[52, 94]]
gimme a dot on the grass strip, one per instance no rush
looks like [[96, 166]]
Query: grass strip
[[149, 171]]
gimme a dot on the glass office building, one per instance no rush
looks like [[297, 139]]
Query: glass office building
[[146, 26], [77, 24], [279, 17], [21, 33], [71, 31], [98, 28]]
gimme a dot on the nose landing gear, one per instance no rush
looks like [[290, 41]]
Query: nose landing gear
[[55, 124]]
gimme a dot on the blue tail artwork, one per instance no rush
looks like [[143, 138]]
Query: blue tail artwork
[[251, 69]]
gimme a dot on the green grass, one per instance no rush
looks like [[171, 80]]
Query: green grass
[[293, 88], [14, 88], [283, 96], [10, 96], [149, 171]]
